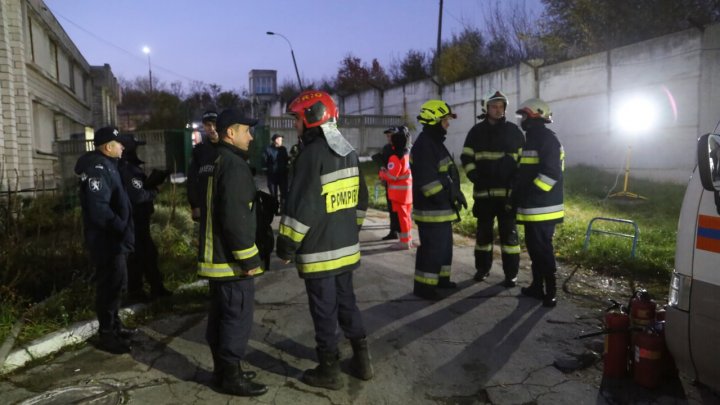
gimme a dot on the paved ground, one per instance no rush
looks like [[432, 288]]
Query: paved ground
[[481, 344]]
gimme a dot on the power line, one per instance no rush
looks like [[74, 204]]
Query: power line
[[132, 54]]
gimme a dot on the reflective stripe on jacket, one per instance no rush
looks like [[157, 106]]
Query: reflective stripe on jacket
[[399, 179], [490, 158], [228, 219], [326, 202], [433, 187], [539, 189]]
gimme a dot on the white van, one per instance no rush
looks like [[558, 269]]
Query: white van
[[693, 314]]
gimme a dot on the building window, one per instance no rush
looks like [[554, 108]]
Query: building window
[[43, 128]]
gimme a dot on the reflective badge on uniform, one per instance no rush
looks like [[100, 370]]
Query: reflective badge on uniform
[[137, 183], [94, 184], [391, 165]]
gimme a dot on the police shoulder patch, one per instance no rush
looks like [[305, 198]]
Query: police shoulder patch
[[391, 165], [94, 184], [99, 166], [137, 183]]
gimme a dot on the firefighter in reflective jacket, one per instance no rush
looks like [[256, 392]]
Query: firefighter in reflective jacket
[[437, 200], [538, 194], [398, 177], [227, 254], [490, 157], [319, 231]]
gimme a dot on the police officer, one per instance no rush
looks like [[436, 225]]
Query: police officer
[[386, 153], [319, 232], [437, 200], [538, 194], [275, 158], [109, 234], [201, 164], [144, 261], [490, 157], [227, 254]]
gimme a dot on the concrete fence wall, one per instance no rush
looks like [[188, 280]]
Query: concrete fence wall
[[678, 73]]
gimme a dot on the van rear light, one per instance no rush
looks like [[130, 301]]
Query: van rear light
[[679, 291]]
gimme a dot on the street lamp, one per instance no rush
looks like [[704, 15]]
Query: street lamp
[[291, 53], [146, 51]]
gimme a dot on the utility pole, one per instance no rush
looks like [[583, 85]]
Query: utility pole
[[437, 50]]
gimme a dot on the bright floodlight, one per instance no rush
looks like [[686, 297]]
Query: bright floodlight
[[636, 115], [146, 50]]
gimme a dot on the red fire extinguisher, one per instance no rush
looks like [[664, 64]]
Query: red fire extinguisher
[[648, 358], [642, 309], [617, 342]]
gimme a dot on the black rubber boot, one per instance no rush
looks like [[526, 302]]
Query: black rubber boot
[[444, 282], [360, 362], [390, 236], [327, 373], [235, 383], [481, 275], [534, 290], [218, 371], [550, 299], [426, 292]]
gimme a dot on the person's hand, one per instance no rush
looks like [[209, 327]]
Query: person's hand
[[286, 261], [462, 200], [253, 272]]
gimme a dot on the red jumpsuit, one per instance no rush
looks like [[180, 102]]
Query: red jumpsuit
[[399, 181]]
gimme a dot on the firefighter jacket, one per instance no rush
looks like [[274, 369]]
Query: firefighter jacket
[[106, 209], [399, 179], [490, 158], [201, 167], [325, 207], [436, 180], [538, 192], [227, 218]]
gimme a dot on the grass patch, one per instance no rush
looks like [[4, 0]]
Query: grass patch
[[586, 191], [45, 272]]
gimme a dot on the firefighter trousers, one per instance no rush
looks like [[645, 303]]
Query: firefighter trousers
[[434, 256], [486, 210], [230, 319], [538, 238], [332, 303]]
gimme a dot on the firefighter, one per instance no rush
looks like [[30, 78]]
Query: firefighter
[[319, 231], [385, 154], [490, 159], [538, 194], [437, 200], [398, 178], [144, 261], [109, 234], [201, 164], [227, 254]]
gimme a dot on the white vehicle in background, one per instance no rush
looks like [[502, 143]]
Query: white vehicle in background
[[693, 314]]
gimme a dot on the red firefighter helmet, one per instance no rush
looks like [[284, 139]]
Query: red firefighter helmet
[[314, 107]]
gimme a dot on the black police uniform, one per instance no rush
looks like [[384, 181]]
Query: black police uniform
[[227, 248], [436, 203], [319, 230], [539, 197], [276, 164], [109, 233], [490, 157], [144, 261]]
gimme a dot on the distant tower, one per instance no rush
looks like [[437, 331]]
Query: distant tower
[[263, 91]]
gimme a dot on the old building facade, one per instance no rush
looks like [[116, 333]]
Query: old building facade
[[48, 92]]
